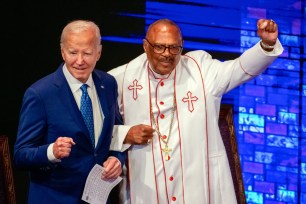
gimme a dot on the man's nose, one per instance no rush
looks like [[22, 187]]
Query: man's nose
[[80, 59], [167, 51]]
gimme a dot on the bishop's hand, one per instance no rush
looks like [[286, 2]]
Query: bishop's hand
[[139, 134], [267, 30]]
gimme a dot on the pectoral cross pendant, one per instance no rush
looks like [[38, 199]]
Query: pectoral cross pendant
[[166, 151]]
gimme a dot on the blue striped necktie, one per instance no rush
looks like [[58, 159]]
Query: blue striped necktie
[[86, 110]]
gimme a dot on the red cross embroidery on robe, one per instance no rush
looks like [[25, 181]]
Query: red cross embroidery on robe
[[135, 87], [190, 99]]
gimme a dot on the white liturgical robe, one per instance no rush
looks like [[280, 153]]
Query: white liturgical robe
[[195, 170]]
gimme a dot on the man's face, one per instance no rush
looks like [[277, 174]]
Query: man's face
[[164, 35], [81, 53]]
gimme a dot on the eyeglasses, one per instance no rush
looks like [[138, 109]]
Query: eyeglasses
[[159, 49]]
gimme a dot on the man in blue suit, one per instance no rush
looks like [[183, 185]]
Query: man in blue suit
[[53, 141]]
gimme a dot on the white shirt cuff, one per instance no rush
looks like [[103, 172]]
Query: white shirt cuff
[[50, 154], [119, 134]]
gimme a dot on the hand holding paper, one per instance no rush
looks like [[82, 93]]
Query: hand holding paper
[[96, 189]]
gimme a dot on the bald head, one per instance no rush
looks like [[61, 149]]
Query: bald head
[[162, 25]]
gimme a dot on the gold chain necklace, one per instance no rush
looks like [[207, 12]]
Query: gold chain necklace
[[165, 140]]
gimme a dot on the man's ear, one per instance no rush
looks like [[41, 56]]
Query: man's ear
[[144, 45]]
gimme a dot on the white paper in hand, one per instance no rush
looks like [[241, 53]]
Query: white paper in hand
[[96, 189]]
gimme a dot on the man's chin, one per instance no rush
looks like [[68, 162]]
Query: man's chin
[[81, 77]]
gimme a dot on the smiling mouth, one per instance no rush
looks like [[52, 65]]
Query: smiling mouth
[[80, 69], [166, 62]]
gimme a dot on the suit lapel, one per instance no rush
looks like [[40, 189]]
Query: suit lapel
[[101, 92], [100, 88], [68, 99], [71, 106]]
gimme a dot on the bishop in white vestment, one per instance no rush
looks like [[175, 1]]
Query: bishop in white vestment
[[185, 162]]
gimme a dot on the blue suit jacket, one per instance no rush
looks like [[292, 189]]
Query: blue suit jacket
[[49, 110]]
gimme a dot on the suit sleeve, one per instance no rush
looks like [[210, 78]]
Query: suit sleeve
[[29, 151]]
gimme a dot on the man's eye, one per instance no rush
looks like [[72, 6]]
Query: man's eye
[[159, 47], [175, 48]]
